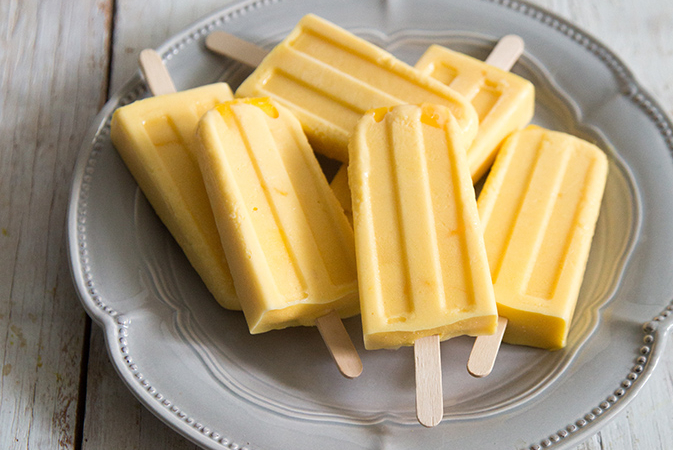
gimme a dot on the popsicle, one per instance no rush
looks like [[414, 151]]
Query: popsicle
[[329, 77], [153, 136], [290, 247], [422, 266], [539, 208], [504, 101]]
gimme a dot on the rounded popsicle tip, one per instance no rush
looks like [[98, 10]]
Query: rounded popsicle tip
[[513, 41], [339, 344], [428, 367], [379, 113], [351, 368]]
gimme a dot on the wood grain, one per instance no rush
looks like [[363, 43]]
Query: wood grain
[[429, 394], [114, 418], [53, 78], [339, 344]]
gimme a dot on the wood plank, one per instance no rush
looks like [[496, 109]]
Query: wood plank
[[50, 87], [133, 34]]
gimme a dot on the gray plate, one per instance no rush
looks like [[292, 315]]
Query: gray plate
[[198, 369]]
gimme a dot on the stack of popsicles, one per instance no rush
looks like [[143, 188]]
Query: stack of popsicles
[[238, 185]]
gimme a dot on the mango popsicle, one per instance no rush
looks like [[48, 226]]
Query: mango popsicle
[[421, 260], [422, 265], [539, 208], [329, 77], [153, 137], [290, 247], [504, 101]]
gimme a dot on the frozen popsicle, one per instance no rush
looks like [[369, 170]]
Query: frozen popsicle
[[329, 77], [290, 247], [422, 266], [539, 208], [153, 137], [504, 101]]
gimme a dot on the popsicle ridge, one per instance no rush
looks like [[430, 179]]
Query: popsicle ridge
[[534, 179], [570, 209]]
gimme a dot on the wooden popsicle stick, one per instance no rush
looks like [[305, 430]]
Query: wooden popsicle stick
[[236, 48], [429, 395], [331, 328], [339, 344], [506, 52], [485, 350], [158, 79]]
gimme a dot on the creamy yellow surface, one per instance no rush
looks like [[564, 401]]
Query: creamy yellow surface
[[504, 101], [153, 137], [422, 265], [328, 78], [339, 185], [285, 235], [539, 208]]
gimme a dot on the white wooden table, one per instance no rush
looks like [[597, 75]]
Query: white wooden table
[[59, 61]]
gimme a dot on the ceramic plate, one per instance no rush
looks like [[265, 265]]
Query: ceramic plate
[[196, 366]]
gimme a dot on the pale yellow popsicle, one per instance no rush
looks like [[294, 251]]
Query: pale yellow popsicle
[[328, 78], [422, 264], [290, 247], [539, 208], [153, 137], [504, 101]]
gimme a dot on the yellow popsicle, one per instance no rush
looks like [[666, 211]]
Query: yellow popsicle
[[539, 208], [504, 102], [422, 265], [289, 245], [153, 137]]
